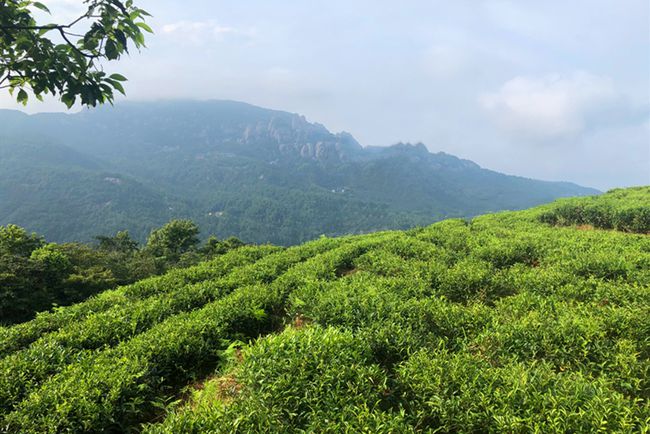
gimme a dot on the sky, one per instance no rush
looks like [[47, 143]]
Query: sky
[[555, 90]]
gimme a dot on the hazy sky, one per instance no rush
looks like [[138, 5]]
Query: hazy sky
[[557, 90]]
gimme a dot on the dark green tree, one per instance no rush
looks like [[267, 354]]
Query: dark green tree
[[56, 59], [15, 240], [120, 243], [173, 239], [213, 246], [35, 275], [29, 280]]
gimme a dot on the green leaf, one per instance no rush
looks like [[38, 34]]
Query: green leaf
[[90, 41], [41, 6], [118, 77], [139, 40], [145, 27], [298, 302], [22, 97], [68, 99], [121, 38], [117, 85], [43, 31], [259, 314], [111, 50]]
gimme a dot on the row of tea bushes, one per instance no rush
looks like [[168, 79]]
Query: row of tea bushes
[[18, 336], [624, 210], [328, 380], [499, 324], [113, 388]]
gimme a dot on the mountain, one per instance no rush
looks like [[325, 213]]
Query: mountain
[[516, 322], [70, 196], [236, 169]]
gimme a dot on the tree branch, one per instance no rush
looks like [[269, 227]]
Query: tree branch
[[75, 48], [50, 26]]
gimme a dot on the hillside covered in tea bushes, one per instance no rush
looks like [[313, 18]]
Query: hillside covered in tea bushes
[[528, 321]]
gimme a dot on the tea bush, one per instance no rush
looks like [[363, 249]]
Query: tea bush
[[500, 324]]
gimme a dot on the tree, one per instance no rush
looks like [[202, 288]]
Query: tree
[[120, 243], [173, 239], [56, 265], [35, 275], [15, 240], [213, 246], [56, 59], [120, 254]]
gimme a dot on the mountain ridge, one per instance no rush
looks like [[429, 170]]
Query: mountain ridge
[[268, 175], [372, 151]]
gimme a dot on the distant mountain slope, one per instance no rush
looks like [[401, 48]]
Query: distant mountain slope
[[262, 175], [61, 192]]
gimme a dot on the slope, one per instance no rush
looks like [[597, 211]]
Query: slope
[[55, 190], [265, 175], [503, 324]]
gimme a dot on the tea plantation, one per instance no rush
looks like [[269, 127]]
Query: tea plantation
[[529, 321]]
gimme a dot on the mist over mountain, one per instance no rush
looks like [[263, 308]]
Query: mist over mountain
[[236, 169]]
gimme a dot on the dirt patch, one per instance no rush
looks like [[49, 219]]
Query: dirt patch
[[300, 322], [347, 272], [225, 389], [228, 388]]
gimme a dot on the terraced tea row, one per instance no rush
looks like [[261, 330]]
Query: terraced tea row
[[192, 344], [19, 336], [501, 324]]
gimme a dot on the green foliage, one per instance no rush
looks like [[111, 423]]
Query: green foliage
[[319, 373], [173, 239], [119, 300], [192, 340], [35, 276], [624, 210], [500, 324], [15, 240], [32, 60], [463, 392], [261, 175], [120, 243]]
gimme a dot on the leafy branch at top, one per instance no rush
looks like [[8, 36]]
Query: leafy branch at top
[[70, 68]]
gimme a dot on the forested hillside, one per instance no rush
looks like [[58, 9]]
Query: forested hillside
[[528, 321], [235, 169]]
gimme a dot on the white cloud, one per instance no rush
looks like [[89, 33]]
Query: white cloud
[[199, 32], [445, 61], [551, 106]]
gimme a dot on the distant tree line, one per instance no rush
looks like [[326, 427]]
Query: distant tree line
[[36, 275]]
